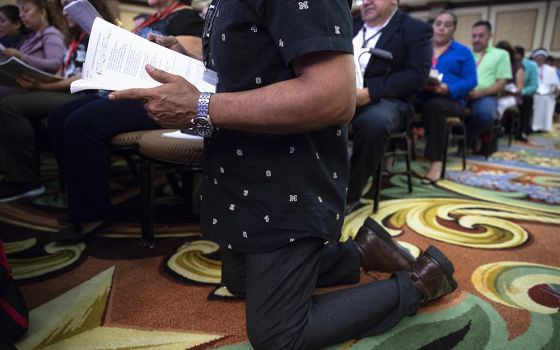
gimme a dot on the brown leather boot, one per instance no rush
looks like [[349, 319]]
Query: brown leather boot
[[379, 251], [432, 274]]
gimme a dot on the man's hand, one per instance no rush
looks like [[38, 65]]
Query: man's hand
[[169, 41], [171, 105], [9, 52], [362, 97], [442, 89], [475, 94]]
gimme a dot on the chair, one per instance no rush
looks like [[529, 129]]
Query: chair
[[182, 155], [401, 142], [126, 145], [494, 135], [515, 121], [454, 123]]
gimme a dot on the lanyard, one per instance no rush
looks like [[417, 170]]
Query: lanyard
[[73, 48], [158, 16], [366, 41]]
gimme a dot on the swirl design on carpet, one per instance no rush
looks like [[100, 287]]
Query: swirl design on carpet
[[520, 285], [190, 262], [462, 222], [58, 258]]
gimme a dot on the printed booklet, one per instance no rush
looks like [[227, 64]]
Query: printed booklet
[[116, 60]]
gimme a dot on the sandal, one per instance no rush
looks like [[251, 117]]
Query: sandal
[[427, 181]]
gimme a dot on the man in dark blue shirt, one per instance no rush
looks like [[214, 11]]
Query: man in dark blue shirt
[[276, 172]]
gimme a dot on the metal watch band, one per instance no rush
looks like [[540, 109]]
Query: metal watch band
[[203, 104]]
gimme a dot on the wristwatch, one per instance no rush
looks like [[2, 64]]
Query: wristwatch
[[202, 124]]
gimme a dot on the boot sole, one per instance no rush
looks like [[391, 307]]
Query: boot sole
[[444, 263], [387, 238]]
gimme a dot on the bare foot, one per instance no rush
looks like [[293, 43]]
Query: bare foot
[[434, 171]]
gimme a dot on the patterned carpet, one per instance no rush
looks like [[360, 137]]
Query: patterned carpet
[[499, 221]]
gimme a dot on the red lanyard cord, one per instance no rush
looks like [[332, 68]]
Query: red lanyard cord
[[73, 48], [158, 16]]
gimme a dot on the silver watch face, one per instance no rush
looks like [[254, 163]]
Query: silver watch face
[[202, 126]]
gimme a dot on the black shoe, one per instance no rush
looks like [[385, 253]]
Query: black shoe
[[378, 250], [13, 191], [78, 232], [432, 274]]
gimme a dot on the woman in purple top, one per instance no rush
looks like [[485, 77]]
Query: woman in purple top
[[43, 47]]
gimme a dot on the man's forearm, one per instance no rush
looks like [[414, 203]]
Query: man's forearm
[[494, 89], [322, 94]]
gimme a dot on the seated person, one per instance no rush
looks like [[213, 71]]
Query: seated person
[[511, 97], [545, 97], [454, 62], [18, 113], [493, 70], [383, 102], [11, 27], [80, 131], [43, 46]]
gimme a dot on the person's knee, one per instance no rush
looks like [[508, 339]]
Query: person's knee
[[485, 116], [83, 124], [434, 107], [374, 128], [263, 336]]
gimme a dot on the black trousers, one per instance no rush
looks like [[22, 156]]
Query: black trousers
[[434, 114], [80, 132], [18, 113], [526, 115], [283, 313], [372, 126]]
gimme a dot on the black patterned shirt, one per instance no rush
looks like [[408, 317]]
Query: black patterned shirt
[[263, 191]]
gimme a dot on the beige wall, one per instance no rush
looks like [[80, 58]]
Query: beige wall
[[532, 24]]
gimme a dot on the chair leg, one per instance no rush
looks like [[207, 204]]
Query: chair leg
[[187, 190], [464, 151], [413, 146], [511, 129], [408, 170], [377, 186], [147, 201], [448, 130]]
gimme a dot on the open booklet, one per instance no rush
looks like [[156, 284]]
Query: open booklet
[[12, 67], [116, 60], [83, 13]]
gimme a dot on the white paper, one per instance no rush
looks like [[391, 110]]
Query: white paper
[[510, 87], [83, 13], [181, 135], [116, 60], [436, 75]]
